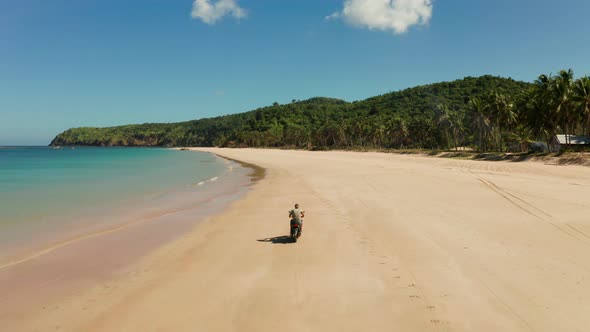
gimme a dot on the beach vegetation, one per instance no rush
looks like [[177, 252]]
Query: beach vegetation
[[483, 114]]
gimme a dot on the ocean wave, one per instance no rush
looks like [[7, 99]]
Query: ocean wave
[[213, 179]]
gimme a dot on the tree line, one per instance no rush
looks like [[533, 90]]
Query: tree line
[[483, 113], [553, 104]]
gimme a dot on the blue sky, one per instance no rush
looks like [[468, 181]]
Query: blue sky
[[71, 63]]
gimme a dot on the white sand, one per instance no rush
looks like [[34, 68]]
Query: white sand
[[390, 243]]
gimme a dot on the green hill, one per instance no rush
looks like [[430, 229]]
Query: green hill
[[410, 118]]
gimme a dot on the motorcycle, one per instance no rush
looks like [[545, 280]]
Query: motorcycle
[[295, 231], [296, 227]]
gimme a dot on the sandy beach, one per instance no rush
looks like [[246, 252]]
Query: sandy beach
[[390, 243]]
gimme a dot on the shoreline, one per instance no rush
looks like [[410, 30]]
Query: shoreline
[[70, 266], [390, 241], [258, 171], [92, 232]]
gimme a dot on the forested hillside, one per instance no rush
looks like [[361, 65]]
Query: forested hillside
[[487, 113]]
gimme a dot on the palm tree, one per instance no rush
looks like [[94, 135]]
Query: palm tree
[[457, 128], [343, 129], [445, 122], [379, 131], [521, 135], [491, 105], [562, 90], [581, 99], [359, 131], [450, 123], [481, 121], [538, 112], [502, 109], [397, 130]]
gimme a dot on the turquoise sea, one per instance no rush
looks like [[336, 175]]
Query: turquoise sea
[[50, 194]]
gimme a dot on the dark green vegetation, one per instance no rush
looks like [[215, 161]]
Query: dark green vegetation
[[486, 113]]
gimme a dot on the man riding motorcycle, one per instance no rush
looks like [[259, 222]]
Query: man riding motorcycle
[[296, 216]]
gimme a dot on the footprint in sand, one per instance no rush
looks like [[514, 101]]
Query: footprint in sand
[[438, 321]]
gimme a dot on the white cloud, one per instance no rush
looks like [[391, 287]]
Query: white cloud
[[210, 11], [333, 16], [387, 15]]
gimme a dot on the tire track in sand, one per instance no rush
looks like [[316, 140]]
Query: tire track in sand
[[530, 208]]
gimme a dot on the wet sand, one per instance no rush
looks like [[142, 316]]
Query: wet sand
[[390, 242]]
